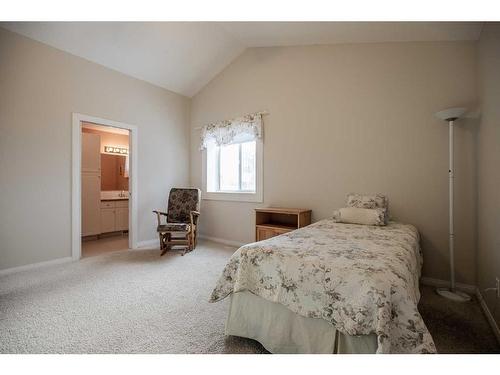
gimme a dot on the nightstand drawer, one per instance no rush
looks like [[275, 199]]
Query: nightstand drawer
[[279, 231], [264, 234]]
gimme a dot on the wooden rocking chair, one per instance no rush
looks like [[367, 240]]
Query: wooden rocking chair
[[182, 215]]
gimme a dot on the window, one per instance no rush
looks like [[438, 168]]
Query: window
[[232, 171]]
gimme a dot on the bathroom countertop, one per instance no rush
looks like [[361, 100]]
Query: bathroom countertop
[[114, 195]]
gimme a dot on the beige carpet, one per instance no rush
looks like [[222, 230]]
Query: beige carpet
[[138, 302]]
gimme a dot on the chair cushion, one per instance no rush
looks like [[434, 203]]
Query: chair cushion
[[180, 204], [173, 227]]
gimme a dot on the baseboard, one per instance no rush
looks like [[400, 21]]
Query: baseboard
[[222, 241], [141, 245], [437, 283], [32, 266], [489, 315]]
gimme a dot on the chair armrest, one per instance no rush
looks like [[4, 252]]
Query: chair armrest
[[194, 217], [158, 215]]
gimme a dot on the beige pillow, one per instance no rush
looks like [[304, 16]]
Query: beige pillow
[[364, 216]]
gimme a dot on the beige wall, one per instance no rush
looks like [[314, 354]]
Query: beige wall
[[40, 88], [355, 118], [489, 165], [342, 118]]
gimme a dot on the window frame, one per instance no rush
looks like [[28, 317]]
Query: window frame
[[240, 196]]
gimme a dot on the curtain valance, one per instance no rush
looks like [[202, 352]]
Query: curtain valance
[[248, 127]]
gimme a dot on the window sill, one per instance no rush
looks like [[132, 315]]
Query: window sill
[[233, 196]]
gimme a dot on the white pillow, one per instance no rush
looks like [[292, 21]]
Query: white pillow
[[364, 216]]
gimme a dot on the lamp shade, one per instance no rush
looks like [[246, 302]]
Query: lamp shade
[[450, 114]]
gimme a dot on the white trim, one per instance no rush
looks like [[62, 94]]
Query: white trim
[[155, 243], [257, 197], [437, 283], [488, 314], [76, 230], [222, 241], [32, 266]]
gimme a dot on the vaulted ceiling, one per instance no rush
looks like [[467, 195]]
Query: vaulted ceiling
[[184, 56]]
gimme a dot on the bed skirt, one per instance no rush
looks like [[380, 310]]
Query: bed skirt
[[280, 330]]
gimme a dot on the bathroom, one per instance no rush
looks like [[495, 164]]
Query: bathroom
[[105, 189]]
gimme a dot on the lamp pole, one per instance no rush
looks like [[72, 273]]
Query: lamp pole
[[451, 177], [450, 115]]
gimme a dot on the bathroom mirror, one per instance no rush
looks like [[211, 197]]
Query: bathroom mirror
[[114, 172]]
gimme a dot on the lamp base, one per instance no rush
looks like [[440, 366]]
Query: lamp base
[[456, 295]]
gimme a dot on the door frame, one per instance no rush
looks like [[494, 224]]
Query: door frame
[[76, 183]]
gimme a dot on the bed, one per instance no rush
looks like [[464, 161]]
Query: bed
[[329, 288]]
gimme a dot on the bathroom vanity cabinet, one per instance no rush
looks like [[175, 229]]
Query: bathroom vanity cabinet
[[114, 215]]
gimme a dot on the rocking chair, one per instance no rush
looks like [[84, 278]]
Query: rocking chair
[[182, 215]]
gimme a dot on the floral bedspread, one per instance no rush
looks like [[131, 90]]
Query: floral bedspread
[[362, 279]]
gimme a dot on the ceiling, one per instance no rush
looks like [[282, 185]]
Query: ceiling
[[184, 56]]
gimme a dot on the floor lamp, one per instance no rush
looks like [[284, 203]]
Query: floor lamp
[[450, 115]]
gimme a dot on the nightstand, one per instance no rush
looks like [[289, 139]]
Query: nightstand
[[270, 222]]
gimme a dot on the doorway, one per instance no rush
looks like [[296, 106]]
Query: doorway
[[104, 194]]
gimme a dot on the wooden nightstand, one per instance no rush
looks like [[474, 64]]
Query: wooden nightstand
[[270, 222]]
